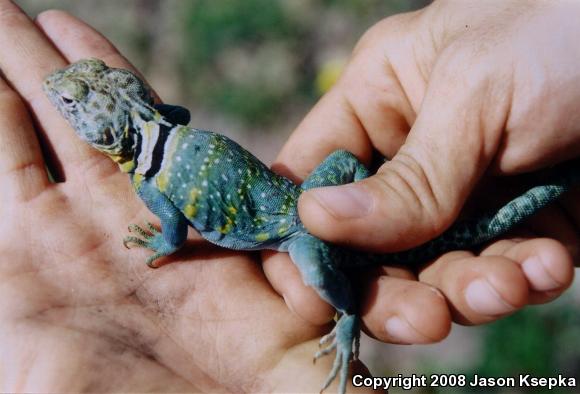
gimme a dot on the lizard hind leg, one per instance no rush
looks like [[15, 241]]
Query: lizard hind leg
[[318, 264], [345, 339]]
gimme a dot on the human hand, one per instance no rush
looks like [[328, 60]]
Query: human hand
[[459, 95], [79, 311]]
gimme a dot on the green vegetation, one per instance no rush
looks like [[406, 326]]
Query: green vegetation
[[256, 59], [224, 38], [539, 341]]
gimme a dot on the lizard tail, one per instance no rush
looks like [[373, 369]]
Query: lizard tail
[[547, 187]]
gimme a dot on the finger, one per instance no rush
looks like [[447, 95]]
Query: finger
[[22, 171], [403, 311], [76, 40], [479, 289], [546, 264], [300, 299], [419, 193], [384, 99], [24, 47]]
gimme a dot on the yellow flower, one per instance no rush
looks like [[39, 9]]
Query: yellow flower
[[328, 74]]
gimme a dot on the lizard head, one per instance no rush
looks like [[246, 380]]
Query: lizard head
[[98, 102]]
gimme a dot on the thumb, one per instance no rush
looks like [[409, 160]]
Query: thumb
[[419, 193]]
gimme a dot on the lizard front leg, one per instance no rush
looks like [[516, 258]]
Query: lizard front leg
[[173, 224]]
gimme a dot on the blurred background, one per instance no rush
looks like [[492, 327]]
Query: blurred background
[[251, 70]]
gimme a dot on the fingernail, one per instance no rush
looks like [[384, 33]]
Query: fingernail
[[402, 332], [344, 202], [484, 299], [538, 275]]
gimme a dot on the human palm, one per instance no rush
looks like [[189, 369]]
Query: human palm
[[79, 311], [186, 326]]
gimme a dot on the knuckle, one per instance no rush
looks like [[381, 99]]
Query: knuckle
[[418, 192], [12, 18], [385, 31], [475, 63]]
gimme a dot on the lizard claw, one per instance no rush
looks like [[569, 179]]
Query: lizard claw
[[149, 238], [144, 238], [328, 337], [151, 260], [152, 228], [133, 240], [142, 232]]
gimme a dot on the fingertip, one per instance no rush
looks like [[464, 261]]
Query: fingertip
[[50, 16], [308, 305], [369, 214], [319, 220], [479, 289], [326, 212], [300, 299], [494, 288], [432, 317], [405, 312], [547, 265], [540, 276], [58, 24], [552, 258], [76, 40]]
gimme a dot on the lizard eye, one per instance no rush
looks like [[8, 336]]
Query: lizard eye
[[108, 137], [67, 100]]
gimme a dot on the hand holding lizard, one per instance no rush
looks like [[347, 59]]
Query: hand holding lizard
[[78, 312], [459, 95]]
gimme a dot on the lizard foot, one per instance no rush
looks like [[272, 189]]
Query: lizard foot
[[343, 337], [150, 239]]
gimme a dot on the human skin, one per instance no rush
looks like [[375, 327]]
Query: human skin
[[460, 95], [79, 312]]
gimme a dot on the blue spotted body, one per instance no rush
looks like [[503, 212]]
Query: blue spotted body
[[190, 177], [224, 192]]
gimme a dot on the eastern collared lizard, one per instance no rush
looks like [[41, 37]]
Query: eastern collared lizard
[[190, 177]]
